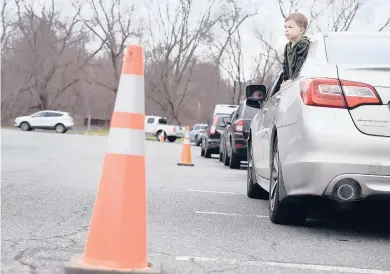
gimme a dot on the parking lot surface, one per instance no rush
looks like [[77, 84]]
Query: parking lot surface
[[200, 220]]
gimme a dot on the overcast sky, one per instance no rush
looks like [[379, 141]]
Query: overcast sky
[[369, 18]]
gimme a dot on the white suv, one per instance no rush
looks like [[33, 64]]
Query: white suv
[[48, 119]]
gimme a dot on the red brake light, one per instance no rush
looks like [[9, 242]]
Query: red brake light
[[214, 126], [239, 125], [326, 92]]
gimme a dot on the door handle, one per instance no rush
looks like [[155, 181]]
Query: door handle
[[277, 98], [265, 110]]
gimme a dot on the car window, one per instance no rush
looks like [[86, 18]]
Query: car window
[[150, 120], [163, 121], [358, 50], [221, 124], [274, 88], [53, 114], [202, 127]]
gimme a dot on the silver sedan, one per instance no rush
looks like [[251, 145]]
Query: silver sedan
[[327, 133]]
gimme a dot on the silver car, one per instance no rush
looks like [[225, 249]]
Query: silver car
[[327, 133]]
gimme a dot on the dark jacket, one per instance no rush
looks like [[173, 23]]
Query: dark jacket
[[294, 57]]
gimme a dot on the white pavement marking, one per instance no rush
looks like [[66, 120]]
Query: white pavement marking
[[229, 214], [342, 269], [213, 191]]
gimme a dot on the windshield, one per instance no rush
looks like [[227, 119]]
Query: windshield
[[358, 50]]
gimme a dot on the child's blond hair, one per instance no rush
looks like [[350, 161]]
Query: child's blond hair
[[299, 18]]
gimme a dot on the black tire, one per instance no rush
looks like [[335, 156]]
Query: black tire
[[25, 126], [201, 149], [207, 153], [234, 161], [284, 211], [172, 139], [253, 189], [60, 128], [225, 159], [197, 141]]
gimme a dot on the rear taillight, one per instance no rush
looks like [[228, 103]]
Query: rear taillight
[[202, 131], [239, 126], [174, 129], [214, 126], [326, 92]]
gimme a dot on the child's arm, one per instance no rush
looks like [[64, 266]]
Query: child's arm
[[302, 51], [285, 65]]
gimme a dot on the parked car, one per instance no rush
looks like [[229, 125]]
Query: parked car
[[327, 133], [197, 132], [233, 145], [221, 109], [59, 121], [211, 139], [158, 126]]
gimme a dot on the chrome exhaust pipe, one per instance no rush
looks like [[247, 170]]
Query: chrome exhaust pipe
[[345, 192]]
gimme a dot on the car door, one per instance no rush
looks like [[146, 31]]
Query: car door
[[38, 119], [268, 111], [52, 119], [258, 135]]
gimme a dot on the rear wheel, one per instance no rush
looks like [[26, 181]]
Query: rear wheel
[[225, 159], [60, 128], [284, 211], [25, 126], [172, 139], [253, 190], [234, 162], [207, 153]]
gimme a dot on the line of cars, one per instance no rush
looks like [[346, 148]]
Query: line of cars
[[324, 136]]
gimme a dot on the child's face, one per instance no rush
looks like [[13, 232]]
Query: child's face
[[292, 31]]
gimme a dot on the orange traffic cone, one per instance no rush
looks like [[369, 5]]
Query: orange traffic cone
[[117, 238], [186, 152]]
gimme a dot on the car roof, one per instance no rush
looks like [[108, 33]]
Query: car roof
[[55, 111]]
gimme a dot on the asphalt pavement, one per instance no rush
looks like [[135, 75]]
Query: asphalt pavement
[[199, 218]]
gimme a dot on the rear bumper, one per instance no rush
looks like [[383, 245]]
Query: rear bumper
[[213, 145], [240, 148], [324, 147]]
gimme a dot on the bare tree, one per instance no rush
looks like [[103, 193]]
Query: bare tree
[[384, 25], [342, 12], [48, 53], [113, 25], [172, 59], [7, 25]]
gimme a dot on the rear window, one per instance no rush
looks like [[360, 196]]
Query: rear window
[[220, 121], [250, 112], [358, 50]]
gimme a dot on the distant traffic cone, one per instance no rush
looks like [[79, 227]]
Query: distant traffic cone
[[186, 152], [117, 238]]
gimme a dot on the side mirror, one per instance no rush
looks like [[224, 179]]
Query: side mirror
[[254, 103], [226, 120], [255, 92]]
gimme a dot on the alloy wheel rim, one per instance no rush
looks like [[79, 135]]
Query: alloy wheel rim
[[60, 128], [250, 167], [274, 180]]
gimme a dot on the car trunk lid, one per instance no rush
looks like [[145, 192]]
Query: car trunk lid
[[370, 119]]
